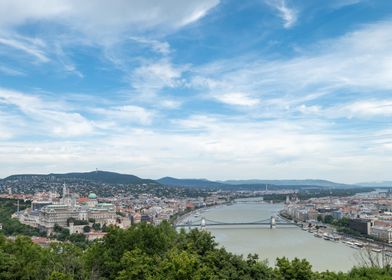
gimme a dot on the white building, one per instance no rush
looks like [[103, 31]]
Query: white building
[[383, 233], [50, 215]]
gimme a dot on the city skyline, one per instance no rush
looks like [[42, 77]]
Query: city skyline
[[269, 89]]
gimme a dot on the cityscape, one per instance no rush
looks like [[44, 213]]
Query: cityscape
[[195, 140], [361, 216]]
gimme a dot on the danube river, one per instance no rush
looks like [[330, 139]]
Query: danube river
[[272, 243]]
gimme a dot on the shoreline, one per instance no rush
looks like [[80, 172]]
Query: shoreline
[[347, 240]]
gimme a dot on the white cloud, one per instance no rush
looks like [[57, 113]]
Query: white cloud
[[208, 146], [47, 117], [126, 114], [236, 98], [153, 76], [359, 62], [170, 104], [17, 12], [26, 45], [289, 15], [104, 18], [65, 62], [158, 46], [364, 108]]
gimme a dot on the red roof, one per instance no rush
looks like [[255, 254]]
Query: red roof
[[83, 200]]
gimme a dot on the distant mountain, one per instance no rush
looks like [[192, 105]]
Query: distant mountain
[[200, 183], [117, 178], [249, 184], [376, 184], [94, 176], [307, 182]]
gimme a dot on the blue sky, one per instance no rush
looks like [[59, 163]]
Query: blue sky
[[217, 89]]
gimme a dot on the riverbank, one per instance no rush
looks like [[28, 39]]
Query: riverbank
[[270, 244], [329, 232]]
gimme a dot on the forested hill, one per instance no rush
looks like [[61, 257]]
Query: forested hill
[[252, 184], [170, 181], [94, 176], [118, 178], [306, 182]]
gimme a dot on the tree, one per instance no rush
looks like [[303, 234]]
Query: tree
[[97, 226], [70, 220], [319, 218], [137, 265], [328, 219], [59, 276], [293, 270]]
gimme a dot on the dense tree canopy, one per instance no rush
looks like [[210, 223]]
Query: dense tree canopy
[[153, 252]]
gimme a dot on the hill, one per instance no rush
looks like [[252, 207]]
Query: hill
[[376, 184], [250, 184], [94, 176], [307, 182], [200, 183]]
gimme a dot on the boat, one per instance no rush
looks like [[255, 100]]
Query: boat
[[349, 243], [376, 250]]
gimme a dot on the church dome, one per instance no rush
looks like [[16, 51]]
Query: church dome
[[92, 196]]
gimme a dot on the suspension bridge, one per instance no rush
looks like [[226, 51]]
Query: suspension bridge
[[272, 222]]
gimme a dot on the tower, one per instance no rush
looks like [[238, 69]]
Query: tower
[[203, 223], [64, 190], [273, 222]]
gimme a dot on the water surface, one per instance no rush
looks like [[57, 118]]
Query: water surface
[[272, 243]]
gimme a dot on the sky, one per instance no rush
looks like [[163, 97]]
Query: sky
[[217, 89]]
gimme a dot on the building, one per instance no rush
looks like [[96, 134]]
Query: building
[[103, 213], [361, 225], [382, 233], [59, 214]]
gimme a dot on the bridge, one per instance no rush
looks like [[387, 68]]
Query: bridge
[[272, 222], [259, 201]]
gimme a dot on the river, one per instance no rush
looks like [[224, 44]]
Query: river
[[272, 243]]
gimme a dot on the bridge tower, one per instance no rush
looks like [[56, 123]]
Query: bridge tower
[[273, 222], [203, 223]]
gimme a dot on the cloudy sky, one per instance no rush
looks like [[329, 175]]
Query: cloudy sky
[[218, 89]]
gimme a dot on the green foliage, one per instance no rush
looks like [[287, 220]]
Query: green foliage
[[13, 226], [295, 269], [61, 233], [154, 253], [76, 222], [328, 219], [96, 226]]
